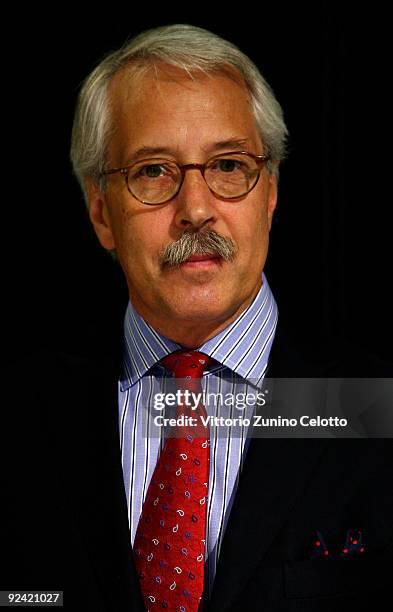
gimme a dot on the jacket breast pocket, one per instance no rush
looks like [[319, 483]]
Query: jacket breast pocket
[[334, 577]]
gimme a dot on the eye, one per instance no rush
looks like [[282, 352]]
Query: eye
[[227, 165], [152, 171]]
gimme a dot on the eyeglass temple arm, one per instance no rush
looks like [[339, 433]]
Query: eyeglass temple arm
[[114, 170]]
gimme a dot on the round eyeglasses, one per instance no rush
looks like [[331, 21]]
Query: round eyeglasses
[[228, 176]]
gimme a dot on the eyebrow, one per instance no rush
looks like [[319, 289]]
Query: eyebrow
[[233, 144], [229, 144]]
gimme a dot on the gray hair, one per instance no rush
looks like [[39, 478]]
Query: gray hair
[[189, 48]]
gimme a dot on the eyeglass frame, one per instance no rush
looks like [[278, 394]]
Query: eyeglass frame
[[260, 160]]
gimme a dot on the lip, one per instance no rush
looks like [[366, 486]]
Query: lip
[[202, 260], [205, 257]]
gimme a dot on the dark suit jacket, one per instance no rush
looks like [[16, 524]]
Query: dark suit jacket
[[66, 513]]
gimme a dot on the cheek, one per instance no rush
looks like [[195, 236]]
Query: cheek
[[251, 234], [141, 236], [250, 230]]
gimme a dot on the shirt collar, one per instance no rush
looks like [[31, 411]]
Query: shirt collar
[[243, 346]]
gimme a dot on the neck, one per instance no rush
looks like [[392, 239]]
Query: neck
[[192, 333]]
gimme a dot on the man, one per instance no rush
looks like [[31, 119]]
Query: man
[[177, 141]]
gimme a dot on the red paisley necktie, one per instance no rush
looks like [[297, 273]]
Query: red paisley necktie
[[169, 547]]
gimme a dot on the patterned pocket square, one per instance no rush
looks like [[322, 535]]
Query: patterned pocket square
[[353, 546]]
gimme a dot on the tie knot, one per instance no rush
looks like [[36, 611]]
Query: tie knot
[[186, 364]]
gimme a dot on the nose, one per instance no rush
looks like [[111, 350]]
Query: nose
[[195, 201]]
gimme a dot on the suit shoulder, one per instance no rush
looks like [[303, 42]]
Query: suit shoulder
[[321, 355]]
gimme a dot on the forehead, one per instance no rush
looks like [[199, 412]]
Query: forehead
[[167, 107]]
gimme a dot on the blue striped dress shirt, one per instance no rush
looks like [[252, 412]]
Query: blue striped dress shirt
[[241, 353]]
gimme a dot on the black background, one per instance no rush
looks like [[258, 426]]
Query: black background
[[330, 258]]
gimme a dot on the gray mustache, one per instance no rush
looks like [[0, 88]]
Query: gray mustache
[[197, 243]]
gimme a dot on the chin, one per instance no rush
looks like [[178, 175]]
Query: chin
[[203, 310]]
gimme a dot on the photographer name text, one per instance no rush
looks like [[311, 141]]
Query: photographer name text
[[255, 421]]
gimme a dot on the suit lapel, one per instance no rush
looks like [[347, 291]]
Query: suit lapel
[[275, 472], [95, 482]]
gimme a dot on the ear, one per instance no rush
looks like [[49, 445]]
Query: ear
[[271, 198], [99, 214]]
